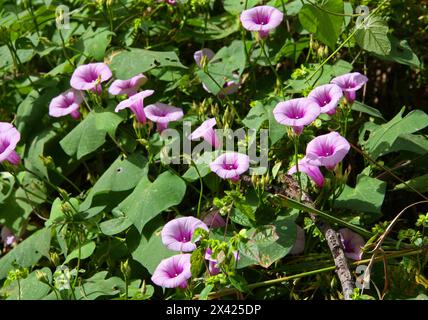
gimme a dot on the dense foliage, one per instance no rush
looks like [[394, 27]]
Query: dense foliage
[[93, 207]]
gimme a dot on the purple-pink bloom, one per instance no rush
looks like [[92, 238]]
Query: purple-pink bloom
[[89, 76], [350, 83], [327, 150], [173, 272], [205, 52], [296, 113], [163, 114], [299, 245], [129, 86], [214, 220], [66, 103], [213, 267], [206, 131], [230, 165], [7, 237], [136, 104], [261, 19], [312, 171], [352, 243], [9, 138], [327, 97], [177, 234], [171, 2]]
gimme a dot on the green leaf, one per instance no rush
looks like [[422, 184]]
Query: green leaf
[[150, 199], [255, 117], [268, 243], [324, 25], [197, 262], [124, 174], [28, 252], [29, 288], [127, 64], [115, 226], [98, 285], [401, 53], [361, 107], [151, 252], [205, 292], [237, 6], [95, 43], [411, 142], [203, 165], [373, 35], [86, 250], [419, 183], [90, 134], [228, 63], [382, 137], [367, 196]]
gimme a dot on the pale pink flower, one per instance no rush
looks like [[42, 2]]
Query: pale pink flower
[[312, 171], [206, 131], [173, 272], [327, 97], [352, 243], [67, 103], [350, 83], [214, 220], [90, 76], [230, 165], [163, 114], [261, 19], [136, 104], [129, 86], [9, 138]]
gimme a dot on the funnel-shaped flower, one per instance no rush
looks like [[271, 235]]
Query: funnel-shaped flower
[[136, 104], [327, 97], [206, 131], [173, 272], [163, 114], [9, 138], [89, 76], [352, 243], [66, 103], [312, 171], [296, 113], [350, 83], [327, 150], [214, 220], [177, 234], [299, 245], [129, 86], [7, 237], [230, 165], [213, 267], [261, 19], [205, 52]]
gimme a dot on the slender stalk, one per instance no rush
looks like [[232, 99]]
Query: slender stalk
[[278, 79], [296, 159]]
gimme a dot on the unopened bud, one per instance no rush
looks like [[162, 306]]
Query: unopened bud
[[125, 268], [42, 276]]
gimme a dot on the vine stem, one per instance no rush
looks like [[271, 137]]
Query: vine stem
[[278, 79]]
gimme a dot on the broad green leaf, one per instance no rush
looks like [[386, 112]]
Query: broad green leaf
[[115, 226], [367, 196], [237, 6], [216, 28], [255, 117], [29, 288], [98, 285], [90, 134], [36, 149], [401, 53], [227, 64], [127, 64], [268, 243], [373, 35], [203, 166], [123, 174], [319, 21], [382, 137], [28, 252], [151, 252], [150, 199], [86, 250], [419, 183], [411, 142], [94, 43], [361, 107]]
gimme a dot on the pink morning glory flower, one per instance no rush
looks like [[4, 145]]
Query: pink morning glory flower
[[163, 114], [66, 103], [129, 86], [173, 272], [350, 83], [261, 19], [177, 234], [89, 76], [205, 52], [230, 165], [327, 97], [327, 150], [136, 104], [7, 237], [312, 171], [213, 267], [206, 131], [214, 220], [296, 113], [352, 243], [9, 138], [299, 245]]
